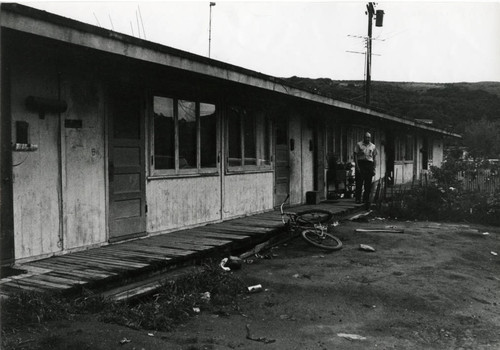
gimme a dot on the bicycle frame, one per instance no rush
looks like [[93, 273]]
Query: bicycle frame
[[313, 232], [292, 223]]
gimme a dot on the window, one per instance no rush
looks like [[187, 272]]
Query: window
[[398, 149], [185, 137], [248, 140], [409, 147], [404, 148], [430, 150]]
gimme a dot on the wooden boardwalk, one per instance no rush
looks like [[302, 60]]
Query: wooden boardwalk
[[122, 262]]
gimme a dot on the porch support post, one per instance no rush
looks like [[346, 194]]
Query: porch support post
[[6, 191]]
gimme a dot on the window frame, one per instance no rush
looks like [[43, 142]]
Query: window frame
[[403, 146], [430, 150], [409, 148], [263, 144], [177, 171]]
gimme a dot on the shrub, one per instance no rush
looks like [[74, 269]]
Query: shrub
[[434, 202]]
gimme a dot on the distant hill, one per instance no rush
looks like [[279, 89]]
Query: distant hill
[[451, 106]]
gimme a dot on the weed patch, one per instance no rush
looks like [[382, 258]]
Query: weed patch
[[210, 289], [434, 202]]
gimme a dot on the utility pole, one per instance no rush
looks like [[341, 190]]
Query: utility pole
[[210, 28], [370, 13], [379, 21]]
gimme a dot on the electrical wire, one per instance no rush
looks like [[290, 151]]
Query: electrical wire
[[14, 165]]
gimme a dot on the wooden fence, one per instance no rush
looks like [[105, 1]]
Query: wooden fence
[[481, 181]]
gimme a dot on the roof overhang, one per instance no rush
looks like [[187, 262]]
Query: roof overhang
[[32, 21]]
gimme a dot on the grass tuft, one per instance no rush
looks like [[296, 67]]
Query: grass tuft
[[176, 301], [210, 289]]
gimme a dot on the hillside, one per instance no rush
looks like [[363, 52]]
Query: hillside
[[451, 106]]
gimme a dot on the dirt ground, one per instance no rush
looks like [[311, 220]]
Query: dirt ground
[[435, 286]]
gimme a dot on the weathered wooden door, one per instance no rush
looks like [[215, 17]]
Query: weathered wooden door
[[127, 204], [281, 167]]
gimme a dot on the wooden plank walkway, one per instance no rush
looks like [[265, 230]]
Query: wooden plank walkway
[[110, 264]]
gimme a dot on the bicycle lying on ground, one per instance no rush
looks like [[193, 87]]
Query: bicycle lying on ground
[[312, 225]]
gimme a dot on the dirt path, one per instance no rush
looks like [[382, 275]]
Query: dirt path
[[435, 286]]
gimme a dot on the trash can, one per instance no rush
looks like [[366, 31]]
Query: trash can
[[312, 197]]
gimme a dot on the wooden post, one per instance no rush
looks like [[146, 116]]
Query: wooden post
[[6, 192]]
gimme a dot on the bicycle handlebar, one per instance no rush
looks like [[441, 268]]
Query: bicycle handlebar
[[282, 204]]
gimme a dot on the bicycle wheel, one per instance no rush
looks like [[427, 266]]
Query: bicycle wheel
[[325, 241], [314, 216]]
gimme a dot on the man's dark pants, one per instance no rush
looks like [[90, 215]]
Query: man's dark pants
[[364, 180]]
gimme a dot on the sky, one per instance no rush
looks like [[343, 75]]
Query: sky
[[425, 41]]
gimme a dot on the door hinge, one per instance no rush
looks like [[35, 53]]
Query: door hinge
[[145, 208]]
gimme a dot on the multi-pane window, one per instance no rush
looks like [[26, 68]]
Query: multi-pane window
[[409, 147], [185, 136], [430, 150], [404, 147], [248, 139]]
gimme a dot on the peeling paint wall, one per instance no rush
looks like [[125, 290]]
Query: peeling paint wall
[[438, 153], [295, 134], [36, 174], [84, 185], [248, 193], [176, 203], [403, 172], [307, 158]]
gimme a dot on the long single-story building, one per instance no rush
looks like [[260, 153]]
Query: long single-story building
[[107, 137]]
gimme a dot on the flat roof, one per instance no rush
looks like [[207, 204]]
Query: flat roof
[[45, 24]]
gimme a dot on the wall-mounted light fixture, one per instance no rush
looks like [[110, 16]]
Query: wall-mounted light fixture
[[45, 105]]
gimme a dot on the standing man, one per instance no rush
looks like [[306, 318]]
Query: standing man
[[364, 157]]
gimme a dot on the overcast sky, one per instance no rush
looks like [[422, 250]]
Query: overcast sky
[[420, 41]]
